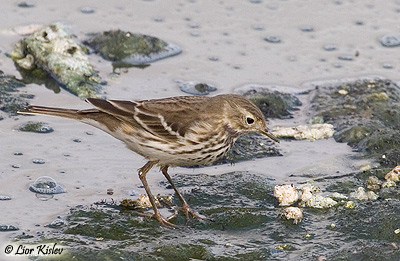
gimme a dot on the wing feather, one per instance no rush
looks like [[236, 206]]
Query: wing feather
[[168, 118]]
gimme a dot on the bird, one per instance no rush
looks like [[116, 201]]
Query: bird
[[171, 132]]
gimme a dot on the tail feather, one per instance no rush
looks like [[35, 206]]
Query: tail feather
[[60, 112]]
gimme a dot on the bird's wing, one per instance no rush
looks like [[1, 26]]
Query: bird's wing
[[168, 118]]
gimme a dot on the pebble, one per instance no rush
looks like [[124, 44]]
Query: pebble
[[196, 88], [3, 197], [87, 10], [26, 4], [345, 57], [38, 161], [272, 39], [390, 40], [307, 28], [46, 185], [56, 223], [330, 47], [4, 227]]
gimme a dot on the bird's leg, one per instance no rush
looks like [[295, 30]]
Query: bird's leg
[[185, 206], [142, 175]]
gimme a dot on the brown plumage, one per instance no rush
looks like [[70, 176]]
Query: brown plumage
[[177, 131]]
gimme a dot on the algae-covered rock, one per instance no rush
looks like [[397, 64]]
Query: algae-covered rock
[[35, 126], [196, 88], [52, 49], [250, 146], [11, 100], [365, 114], [274, 104], [120, 46]]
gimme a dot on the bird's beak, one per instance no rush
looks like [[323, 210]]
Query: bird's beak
[[266, 132]]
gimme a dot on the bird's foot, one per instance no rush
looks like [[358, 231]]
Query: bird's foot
[[186, 209], [161, 219]]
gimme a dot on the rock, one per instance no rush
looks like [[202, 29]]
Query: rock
[[131, 48], [367, 117], [272, 39], [373, 183], [5, 227], [11, 100], [196, 88], [393, 175], [273, 104], [52, 49], [318, 201], [46, 185], [293, 214], [360, 194], [286, 194], [37, 127], [390, 40], [308, 132]]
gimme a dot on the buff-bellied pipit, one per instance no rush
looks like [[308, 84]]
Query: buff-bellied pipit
[[177, 131]]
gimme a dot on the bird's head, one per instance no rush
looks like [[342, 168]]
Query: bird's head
[[246, 117]]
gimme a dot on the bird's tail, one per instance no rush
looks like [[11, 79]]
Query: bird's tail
[[60, 112]]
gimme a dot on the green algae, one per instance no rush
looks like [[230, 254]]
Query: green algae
[[56, 52], [37, 127], [130, 48], [274, 104], [11, 99], [245, 225]]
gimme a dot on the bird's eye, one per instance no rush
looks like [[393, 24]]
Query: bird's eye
[[249, 120]]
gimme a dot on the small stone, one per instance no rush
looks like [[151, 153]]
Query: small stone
[[373, 183], [394, 174], [38, 161], [272, 39], [330, 47], [294, 214], [87, 10], [390, 40], [388, 184], [46, 185], [349, 204], [387, 66], [56, 223], [213, 58], [5, 227], [258, 27], [318, 201], [26, 4], [360, 194], [3, 197], [337, 195], [345, 57], [158, 19], [307, 28], [37, 127], [286, 194], [196, 88]]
